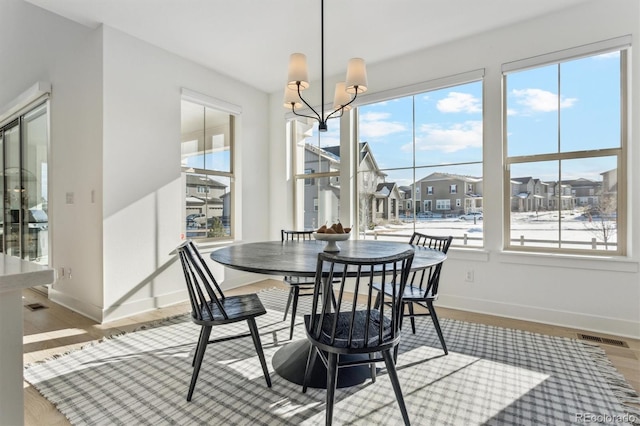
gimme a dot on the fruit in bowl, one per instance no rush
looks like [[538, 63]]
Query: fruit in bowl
[[335, 228], [331, 234]]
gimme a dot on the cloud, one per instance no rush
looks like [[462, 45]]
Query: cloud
[[610, 55], [459, 136], [374, 116], [459, 102], [374, 125], [538, 100]]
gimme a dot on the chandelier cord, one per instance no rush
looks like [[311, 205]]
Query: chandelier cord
[[337, 112], [322, 62]]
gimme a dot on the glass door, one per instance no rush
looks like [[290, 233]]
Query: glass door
[[23, 185], [12, 191], [34, 154]]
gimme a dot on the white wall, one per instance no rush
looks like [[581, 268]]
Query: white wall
[[37, 45], [143, 215], [598, 295], [115, 132]]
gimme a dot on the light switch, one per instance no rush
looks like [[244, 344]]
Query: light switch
[[69, 197]]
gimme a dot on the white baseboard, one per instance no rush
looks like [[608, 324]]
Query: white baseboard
[[116, 312], [245, 278], [83, 308], [579, 321], [124, 310]]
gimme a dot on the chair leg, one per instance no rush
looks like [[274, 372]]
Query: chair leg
[[286, 310], [436, 324], [372, 366], [311, 361], [202, 346], [193, 361], [412, 317], [253, 327], [393, 376], [332, 382], [294, 309]]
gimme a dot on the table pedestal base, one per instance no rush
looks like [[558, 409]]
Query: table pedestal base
[[290, 362]]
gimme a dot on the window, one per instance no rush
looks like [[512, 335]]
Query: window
[[309, 181], [425, 144], [206, 160], [565, 144], [443, 204], [316, 168]]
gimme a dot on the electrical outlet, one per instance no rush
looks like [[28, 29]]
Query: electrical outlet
[[469, 275]]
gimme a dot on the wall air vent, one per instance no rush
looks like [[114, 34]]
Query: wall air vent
[[35, 306], [604, 340]]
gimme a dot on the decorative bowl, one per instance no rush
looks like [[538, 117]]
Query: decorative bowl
[[331, 240]]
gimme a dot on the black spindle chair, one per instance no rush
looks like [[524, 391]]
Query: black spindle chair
[[210, 307], [422, 288], [298, 286], [345, 326]]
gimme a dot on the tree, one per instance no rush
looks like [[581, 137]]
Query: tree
[[366, 197], [602, 218], [217, 229]]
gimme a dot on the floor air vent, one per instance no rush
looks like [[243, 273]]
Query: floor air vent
[[35, 306], [604, 340]]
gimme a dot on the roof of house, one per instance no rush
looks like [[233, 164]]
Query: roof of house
[[199, 180], [385, 189], [437, 176], [581, 182]]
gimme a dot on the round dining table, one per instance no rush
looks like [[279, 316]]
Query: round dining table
[[299, 258]]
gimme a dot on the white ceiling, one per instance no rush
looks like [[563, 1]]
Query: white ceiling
[[251, 40]]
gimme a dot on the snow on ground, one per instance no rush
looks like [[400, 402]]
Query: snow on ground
[[536, 229]]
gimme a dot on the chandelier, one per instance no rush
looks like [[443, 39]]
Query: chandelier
[[298, 80]]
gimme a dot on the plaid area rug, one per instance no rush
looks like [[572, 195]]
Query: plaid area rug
[[492, 376]]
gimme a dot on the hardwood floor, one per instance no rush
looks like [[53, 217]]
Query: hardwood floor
[[57, 330]]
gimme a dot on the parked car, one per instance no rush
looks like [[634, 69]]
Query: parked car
[[471, 216], [38, 219], [196, 220]]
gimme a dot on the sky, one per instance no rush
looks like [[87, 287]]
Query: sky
[[571, 107]]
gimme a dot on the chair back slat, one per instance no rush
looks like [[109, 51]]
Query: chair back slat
[[343, 320], [288, 235], [196, 295], [204, 291], [429, 278]]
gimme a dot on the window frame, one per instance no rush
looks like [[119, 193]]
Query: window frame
[[234, 112], [416, 90], [620, 45], [308, 177]]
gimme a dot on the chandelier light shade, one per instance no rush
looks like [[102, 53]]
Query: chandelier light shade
[[298, 72], [341, 98], [298, 81], [291, 98], [356, 76]]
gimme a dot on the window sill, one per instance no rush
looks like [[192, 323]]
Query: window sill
[[600, 263]]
